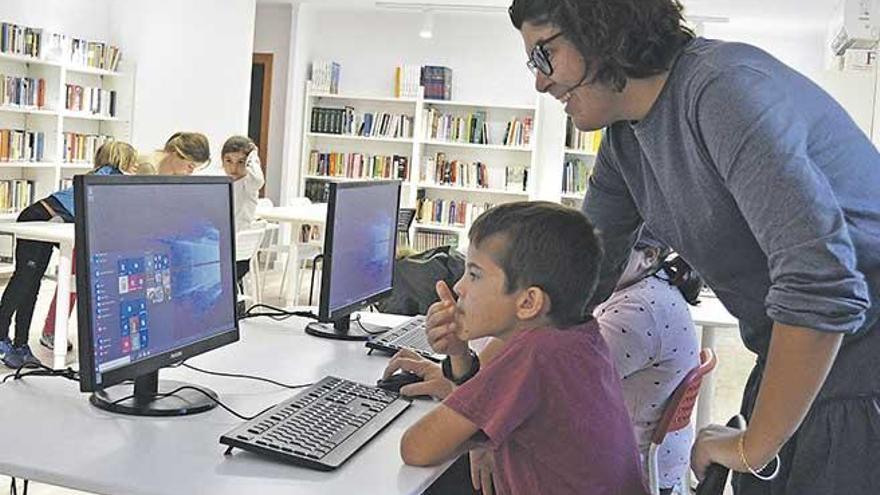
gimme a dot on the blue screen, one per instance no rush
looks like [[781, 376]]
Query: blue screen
[[160, 257], [364, 235]]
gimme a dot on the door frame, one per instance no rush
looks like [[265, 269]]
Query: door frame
[[265, 59]]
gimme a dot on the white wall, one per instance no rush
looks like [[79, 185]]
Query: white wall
[[272, 34], [79, 18], [484, 51], [193, 66]]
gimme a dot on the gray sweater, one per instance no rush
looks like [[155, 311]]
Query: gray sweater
[[760, 180]]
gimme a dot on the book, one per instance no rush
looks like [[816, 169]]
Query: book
[[325, 76], [437, 81]]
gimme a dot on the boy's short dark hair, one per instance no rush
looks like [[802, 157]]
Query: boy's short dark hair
[[548, 246], [238, 144], [618, 39]]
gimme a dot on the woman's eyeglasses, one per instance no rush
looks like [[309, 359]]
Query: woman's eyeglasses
[[539, 58]]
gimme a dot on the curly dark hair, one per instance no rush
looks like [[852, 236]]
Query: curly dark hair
[[618, 39]]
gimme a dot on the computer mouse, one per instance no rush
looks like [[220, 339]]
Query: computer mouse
[[398, 380]]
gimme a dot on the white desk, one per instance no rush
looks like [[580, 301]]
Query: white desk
[[55, 436], [63, 234], [295, 216], [710, 315]]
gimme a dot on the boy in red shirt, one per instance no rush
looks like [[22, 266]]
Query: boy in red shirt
[[549, 405]]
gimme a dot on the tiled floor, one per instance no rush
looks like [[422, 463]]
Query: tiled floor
[[734, 364]]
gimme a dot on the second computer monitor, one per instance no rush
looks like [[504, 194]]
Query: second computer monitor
[[360, 242]]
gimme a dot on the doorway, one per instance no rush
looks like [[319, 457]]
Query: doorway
[[260, 104]]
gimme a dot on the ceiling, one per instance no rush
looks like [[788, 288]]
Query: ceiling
[[808, 12]]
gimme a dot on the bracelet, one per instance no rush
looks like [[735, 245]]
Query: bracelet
[[757, 472], [446, 367]]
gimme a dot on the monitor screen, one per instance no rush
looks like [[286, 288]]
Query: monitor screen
[[159, 258], [361, 245]]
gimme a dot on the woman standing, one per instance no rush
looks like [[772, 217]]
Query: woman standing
[[764, 184]]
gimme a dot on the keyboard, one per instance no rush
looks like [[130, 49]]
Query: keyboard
[[408, 335], [322, 426]]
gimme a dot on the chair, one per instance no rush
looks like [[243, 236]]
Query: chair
[[247, 243], [404, 221], [677, 415], [301, 249]]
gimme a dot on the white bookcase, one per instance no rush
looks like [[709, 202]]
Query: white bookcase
[[420, 146], [54, 120]]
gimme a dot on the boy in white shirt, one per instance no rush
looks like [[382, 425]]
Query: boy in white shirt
[[241, 162]]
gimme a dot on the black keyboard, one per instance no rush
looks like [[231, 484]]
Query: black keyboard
[[408, 335], [322, 426]]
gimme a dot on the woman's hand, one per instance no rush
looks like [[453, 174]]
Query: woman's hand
[[482, 470], [441, 326], [433, 384], [720, 445]]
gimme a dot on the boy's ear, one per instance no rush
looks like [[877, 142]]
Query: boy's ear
[[532, 303]]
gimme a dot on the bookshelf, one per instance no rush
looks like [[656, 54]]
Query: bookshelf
[[418, 145], [580, 151], [41, 160]]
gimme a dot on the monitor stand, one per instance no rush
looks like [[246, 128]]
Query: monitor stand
[[145, 397], [343, 329]]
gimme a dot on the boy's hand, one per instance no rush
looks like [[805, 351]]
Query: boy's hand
[[482, 469], [434, 384], [441, 326]]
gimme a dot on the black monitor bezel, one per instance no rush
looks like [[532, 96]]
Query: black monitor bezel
[[324, 313], [87, 370]]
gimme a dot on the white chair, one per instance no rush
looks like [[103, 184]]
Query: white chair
[[247, 242]]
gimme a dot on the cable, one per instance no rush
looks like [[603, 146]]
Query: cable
[[206, 394], [39, 369], [368, 332], [277, 314], [245, 377]]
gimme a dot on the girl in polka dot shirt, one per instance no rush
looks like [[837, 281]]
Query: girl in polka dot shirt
[[653, 342]]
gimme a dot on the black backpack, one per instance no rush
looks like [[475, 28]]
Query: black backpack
[[415, 278]]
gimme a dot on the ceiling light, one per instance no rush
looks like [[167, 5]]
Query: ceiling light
[[427, 29]]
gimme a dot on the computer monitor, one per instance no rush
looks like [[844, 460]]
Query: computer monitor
[[155, 286], [360, 241]]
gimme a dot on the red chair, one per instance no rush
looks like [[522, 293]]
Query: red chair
[[677, 415]]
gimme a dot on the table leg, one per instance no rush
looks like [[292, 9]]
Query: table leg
[[707, 390], [65, 264]]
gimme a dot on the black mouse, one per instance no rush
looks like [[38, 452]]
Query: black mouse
[[400, 379]]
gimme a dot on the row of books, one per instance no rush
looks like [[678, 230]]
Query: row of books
[[358, 165], [575, 175], [20, 40], [518, 132], [369, 124], [22, 91], [407, 81], [94, 54], [425, 239], [449, 212], [16, 195], [317, 191], [472, 128], [21, 146], [81, 148], [438, 170], [575, 139], [95, 101], [325, 77], [56, 47], [437, 82]]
